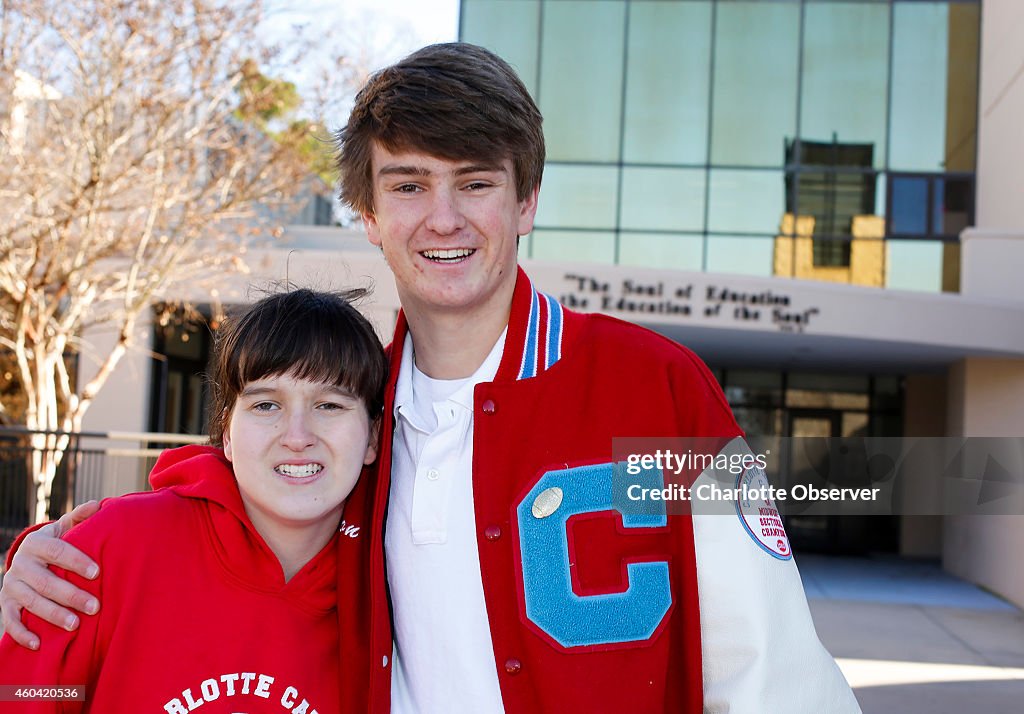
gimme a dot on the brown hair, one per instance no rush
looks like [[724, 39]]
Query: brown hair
[[304, 333], [454, 101]]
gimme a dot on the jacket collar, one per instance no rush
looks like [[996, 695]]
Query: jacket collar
[[535, 331], [533, 343]]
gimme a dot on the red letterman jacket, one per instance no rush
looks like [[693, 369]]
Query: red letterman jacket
[[589, 610]]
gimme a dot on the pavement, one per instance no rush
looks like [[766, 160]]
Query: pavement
[[911, 638]]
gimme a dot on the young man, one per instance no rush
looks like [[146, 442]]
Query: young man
[[502, 576]]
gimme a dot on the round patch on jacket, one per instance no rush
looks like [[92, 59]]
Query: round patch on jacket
[[759, 516]]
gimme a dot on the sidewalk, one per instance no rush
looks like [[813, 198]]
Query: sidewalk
[[911, 638]]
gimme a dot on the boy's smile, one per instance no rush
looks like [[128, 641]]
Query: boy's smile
[[448, 229]]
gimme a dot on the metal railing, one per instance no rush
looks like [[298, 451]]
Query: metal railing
[[95, 465]]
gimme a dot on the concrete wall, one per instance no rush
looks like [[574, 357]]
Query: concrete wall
[[992, 259], [994, 251], [122, 404], [1001, 114], [986, 398], [986, 550]]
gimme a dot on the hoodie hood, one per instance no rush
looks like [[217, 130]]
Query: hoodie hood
[[203, 474], [199, 472]]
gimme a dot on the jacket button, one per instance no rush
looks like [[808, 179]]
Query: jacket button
[[489, 407], [512, 665], [384, 661], [492, 533]]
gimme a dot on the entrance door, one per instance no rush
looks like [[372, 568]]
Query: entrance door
[[850, 534], [813, 533]]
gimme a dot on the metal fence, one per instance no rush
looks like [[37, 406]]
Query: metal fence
[[95, 465]]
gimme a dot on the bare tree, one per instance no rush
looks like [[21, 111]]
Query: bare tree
[[129, 160]]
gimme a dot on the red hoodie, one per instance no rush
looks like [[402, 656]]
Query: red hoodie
[[195, 612]]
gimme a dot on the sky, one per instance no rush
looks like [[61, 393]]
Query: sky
[[393, 28], [370, 34], [428, 21]]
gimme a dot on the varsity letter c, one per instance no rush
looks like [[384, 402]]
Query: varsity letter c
[[574, 620]]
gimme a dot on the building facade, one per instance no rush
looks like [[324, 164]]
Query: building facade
[[824, 199], [789, 187], [757, 138]]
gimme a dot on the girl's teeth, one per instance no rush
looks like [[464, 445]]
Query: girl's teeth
[[299, 471]]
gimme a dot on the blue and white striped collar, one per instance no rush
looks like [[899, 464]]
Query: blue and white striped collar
[[544, 330], [534, 341]]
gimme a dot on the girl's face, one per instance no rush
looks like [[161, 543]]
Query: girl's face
[[297, 447]]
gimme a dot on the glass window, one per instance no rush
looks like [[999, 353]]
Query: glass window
[[914, 265], [888, 393], [758, 422], [509, 28], [962, 88], [753, 388], [908, 214], [667, 82], [755, 97], [845, 68], [934, 86], [854, 424], [670, 251], [886, 425], [526, 246], [574, 246], [930, 206], [746, 201], [663, 199], [919, 70], [953, 205], [936, 205], [578, 197], [831, 253], [741, 255], [581, 79], [881, 196], [827, 391], [852, 383], [834, 183]]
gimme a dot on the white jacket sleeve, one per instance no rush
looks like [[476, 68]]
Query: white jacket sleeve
[[761, 654]]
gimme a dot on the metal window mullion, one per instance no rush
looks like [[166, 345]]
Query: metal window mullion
[[797, 164], [709, 134], [540, 59], [617, 238]]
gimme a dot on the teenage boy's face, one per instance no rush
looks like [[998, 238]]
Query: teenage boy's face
[[448, 229], [297, 447]]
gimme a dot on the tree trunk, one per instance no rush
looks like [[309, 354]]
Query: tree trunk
[[47, 447]]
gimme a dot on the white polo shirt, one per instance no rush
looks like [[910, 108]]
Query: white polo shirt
[[444, 658]]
